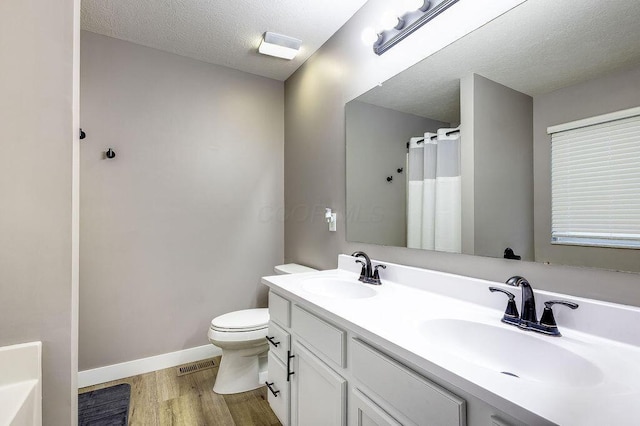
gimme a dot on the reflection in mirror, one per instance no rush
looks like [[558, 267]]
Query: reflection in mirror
[[434, 189], [542, 64], [378, 207]]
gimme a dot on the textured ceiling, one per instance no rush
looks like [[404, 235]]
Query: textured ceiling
[[223, 32], [535, 48]]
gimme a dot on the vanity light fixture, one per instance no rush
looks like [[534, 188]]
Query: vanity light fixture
[[405, 24], [280, 46]]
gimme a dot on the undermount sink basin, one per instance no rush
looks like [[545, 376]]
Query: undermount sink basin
[[512, 352], [338, 288]]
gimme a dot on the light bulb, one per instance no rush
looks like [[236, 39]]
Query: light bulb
[[369, 36], [389, 20], [411, 5]]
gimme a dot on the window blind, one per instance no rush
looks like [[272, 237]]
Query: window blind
[[595, 181]]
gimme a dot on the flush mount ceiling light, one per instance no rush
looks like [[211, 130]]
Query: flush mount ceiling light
[[279, 45], [404, 24]]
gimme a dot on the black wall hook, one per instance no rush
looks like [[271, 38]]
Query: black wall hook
[[110, 153], [389, 178], [82, 134]]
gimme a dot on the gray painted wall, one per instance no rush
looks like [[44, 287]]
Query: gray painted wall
[[315, 169], [503, 171], [376, 148], [182, 223], [618, 91], [38, 136]]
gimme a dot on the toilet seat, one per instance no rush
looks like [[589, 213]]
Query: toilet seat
[[240, 326], [242, 321], [219, 337]]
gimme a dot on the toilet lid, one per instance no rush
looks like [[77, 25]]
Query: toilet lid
[[293, 268], [247, 319]]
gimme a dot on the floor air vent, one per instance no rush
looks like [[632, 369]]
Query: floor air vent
[[195, 366]]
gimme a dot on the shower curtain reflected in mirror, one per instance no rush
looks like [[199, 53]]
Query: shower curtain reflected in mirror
[[434, 192]]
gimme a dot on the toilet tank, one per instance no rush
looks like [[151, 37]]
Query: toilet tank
[[292, 268]]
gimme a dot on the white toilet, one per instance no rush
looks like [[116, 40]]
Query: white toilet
[[242, 337]]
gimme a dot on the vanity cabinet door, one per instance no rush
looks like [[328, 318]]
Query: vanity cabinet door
[[367, 413], [278, 389], [319, 394]]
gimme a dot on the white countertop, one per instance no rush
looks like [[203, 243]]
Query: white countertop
[[398, 312]]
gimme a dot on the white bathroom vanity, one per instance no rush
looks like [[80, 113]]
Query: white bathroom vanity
[[429, 348]]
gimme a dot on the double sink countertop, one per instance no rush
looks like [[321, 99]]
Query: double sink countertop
[[449, 326]]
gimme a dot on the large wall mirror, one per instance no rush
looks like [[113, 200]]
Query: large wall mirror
[[489, 99]]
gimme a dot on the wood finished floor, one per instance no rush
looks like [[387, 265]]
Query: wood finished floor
[[163, 398]]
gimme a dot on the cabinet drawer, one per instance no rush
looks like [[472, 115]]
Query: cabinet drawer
[[277, 377], [279, 309], [279, 341], [324, 337], [422, 401]]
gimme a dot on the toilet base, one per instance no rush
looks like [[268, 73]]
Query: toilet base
[[240, 370]]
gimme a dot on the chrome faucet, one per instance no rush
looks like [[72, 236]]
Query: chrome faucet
[[528, 319], [368, 274]]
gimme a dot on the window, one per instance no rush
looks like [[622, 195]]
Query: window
[[595, 181]]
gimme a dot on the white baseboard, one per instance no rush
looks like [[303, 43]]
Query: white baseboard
[[145, 365]]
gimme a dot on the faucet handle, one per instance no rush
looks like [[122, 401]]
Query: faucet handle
[[571, 305], [511, 315], [548, 321], [568, 304], [376, 275]]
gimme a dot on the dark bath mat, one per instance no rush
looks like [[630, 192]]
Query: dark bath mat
[[105, 407]]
